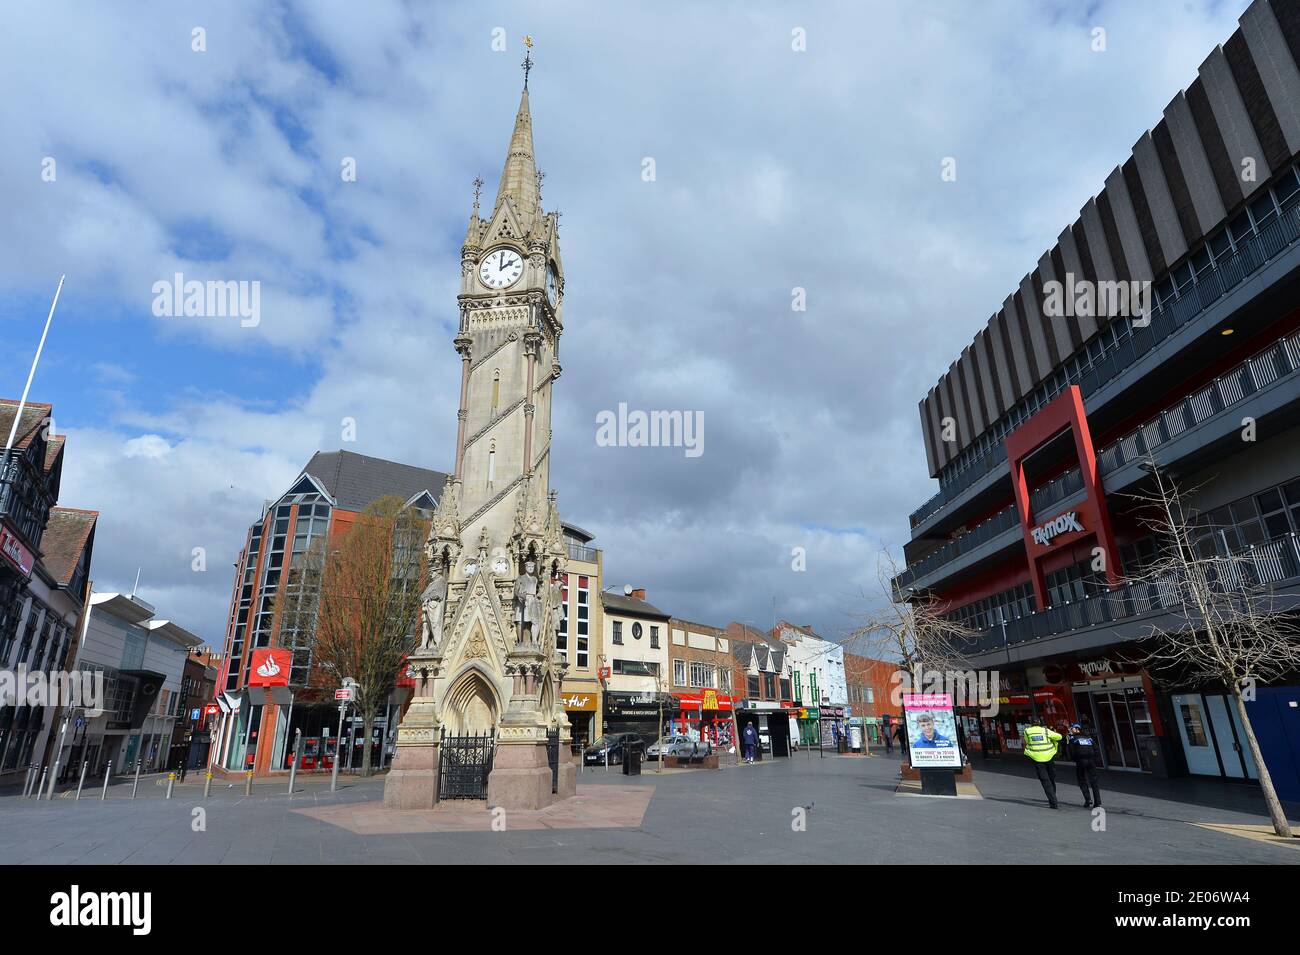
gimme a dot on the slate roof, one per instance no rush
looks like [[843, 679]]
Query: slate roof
[[64, 539], [356, 480], [34, 415], [754, 648], [631, 605], [52, 449]]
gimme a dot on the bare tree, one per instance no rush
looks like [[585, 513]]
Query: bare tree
[[367, 617], [914, 632], [1233, 630]]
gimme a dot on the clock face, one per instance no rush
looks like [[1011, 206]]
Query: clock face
[[552, 284], [501, 267]]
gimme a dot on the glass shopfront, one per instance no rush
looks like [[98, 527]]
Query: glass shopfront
[[1118, 711]]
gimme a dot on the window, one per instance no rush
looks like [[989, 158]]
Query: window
[[769, 686], [724, 679], [871, 695], [701, 674], [679, 673], [654, 637], [618, 631], [584, 608], [785, 688], [751, 685], [636, 631]]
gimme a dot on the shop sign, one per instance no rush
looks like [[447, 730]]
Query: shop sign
[[1067, 523], [1099, 669], [584, 702], [270, 667], [643, 705], [706, 700], [16, 553]]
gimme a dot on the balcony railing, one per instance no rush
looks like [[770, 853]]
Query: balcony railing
[[580, 552], [1212, 283], [1055, 491], [1273, 562], [999, 523], [1233, 387], [1277, 361]]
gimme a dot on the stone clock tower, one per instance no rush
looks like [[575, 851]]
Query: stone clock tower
[[486, 661]]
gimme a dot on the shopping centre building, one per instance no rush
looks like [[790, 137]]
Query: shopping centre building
[[1057, 411]]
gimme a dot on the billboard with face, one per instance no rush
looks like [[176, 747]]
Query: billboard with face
[[931, 731]]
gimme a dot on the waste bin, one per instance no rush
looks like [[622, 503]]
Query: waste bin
[[631, 760]]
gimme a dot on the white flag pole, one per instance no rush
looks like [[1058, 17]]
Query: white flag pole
[[32, 374]]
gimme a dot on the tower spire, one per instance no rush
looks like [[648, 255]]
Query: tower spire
[[519, 177]]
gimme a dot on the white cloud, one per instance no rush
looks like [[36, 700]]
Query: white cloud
[[776, 169]]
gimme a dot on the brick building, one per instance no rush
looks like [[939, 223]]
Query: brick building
[[704, 677], [323, 501], [870, 684]]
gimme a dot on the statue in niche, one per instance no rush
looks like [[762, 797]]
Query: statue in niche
[[432, 603], [528, 609]]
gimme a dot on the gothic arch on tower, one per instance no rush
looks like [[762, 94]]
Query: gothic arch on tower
[[471, 704]]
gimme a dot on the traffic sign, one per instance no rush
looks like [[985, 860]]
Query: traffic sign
[[344, 693]]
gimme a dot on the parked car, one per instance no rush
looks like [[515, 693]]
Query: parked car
[[678, 746], [610, 748]]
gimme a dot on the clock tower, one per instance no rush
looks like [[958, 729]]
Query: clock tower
[[486, 670]]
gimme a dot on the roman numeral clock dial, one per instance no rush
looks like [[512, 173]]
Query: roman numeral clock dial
[[500, 268]]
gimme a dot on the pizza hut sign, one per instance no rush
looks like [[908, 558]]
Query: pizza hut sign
[[1067, 523]]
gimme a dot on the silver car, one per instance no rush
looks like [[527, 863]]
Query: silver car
[[679, 746]]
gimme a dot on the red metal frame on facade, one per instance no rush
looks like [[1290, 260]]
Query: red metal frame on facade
[[1063, 412]]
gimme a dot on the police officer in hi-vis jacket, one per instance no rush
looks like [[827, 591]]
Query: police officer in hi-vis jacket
[[1040, 746]]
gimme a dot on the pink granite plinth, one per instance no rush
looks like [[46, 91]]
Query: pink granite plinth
[[412, 783]]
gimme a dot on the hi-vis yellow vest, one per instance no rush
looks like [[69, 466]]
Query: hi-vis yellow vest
[[1040, 743]]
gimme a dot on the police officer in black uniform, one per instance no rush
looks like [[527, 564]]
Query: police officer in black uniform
[[1082, 748]]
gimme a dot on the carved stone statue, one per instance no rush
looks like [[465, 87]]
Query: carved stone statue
[[432, 603], [528, 609], [555, 592]]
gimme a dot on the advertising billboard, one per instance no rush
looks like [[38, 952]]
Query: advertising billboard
[[931, 731]]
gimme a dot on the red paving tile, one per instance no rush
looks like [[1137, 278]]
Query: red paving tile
[[594, 807]]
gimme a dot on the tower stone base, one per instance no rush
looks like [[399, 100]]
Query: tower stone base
[[412, 783], [520, 777], [567, 784]]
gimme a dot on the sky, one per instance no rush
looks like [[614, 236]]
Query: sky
[[798, 152]]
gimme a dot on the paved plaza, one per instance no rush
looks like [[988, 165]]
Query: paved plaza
[[744, 814]]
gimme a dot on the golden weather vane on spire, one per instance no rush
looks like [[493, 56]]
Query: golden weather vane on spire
[[528, 57]]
